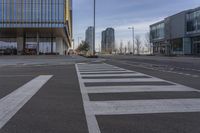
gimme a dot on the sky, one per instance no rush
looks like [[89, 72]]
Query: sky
[[121, 14]]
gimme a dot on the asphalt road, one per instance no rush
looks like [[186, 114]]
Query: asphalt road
[[122, 94], [183, 70]]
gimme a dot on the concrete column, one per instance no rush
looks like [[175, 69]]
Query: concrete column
[[20, 45], [187, 46], [38, 41], [59, 46]]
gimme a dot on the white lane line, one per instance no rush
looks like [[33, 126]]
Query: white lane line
[[145, 106], [123, 80], [113, 75], [92, 124], [106, 70], [100, 67], [114, 71], [10, 76], [119, 89], [167, 71], [88, 68], [12, 103]]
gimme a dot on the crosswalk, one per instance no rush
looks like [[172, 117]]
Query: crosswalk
[[104, 89]]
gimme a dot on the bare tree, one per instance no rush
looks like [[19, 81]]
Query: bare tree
[[138, 44], [129, 47], [125, 50], [147, 42], [121, 47]]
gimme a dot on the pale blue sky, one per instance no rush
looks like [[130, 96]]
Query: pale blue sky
[[121, 14]]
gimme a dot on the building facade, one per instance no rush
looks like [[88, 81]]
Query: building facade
[[178, 34], [36, 26], [108, 41], [89, 37]]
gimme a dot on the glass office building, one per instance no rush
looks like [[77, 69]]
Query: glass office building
[[177, 34], [37, 26]]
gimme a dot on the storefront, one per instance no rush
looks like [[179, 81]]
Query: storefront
[[8, 46], [43, 45]]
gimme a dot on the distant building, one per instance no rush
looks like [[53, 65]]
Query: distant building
[[108, 40], [103, 41], [177, 34], [89, 37]]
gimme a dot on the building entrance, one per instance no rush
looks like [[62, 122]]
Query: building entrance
[[197, 48], [44, 46]]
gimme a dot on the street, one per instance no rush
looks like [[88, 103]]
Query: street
[[111, 94]]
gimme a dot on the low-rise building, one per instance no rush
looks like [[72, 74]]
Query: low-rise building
[[177, 34]]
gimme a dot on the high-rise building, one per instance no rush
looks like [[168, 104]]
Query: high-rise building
[[108, 41], [103, 41], [89, 37], [177, 34], [36, 26]]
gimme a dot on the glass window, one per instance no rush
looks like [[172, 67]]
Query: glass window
[[29, 13], [193, 21], [43, 10], [61, 12], [53, 11], [5, 11], [1, 11], [198, 20], [47, 10]]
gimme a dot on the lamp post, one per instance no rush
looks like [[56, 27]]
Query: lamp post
[[93, 51], [132, 28]]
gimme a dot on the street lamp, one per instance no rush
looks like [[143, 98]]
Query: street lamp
[[93, 51], [132, 28]]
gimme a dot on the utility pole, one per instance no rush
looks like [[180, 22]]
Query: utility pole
[[132, 28], [93, 51]]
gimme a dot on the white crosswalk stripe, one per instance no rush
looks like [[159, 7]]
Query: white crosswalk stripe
[[12, 103], [90, 73]]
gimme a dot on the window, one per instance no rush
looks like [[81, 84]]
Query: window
[[158, 31], [198, 20], [30, 13], [61, 12], [1, 12], [193, 21]]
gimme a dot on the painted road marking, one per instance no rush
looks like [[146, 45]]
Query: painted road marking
[[160, 70], [12, 103], [145, 106], [121, 74], [118, 89], [92, 124], [149, 106], [123, 80], [113, 71], [101, 70], [10, 76]]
